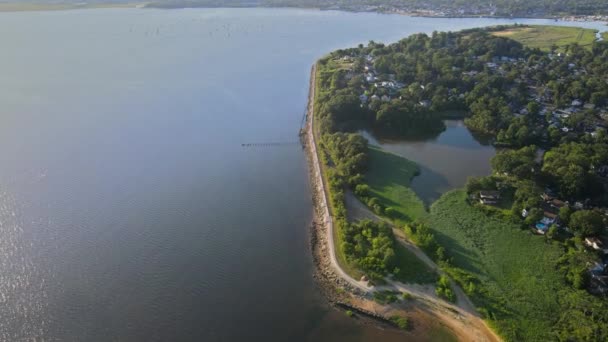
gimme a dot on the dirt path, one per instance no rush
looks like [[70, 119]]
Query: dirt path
[[319, 184], [357, 210], [461, 318]]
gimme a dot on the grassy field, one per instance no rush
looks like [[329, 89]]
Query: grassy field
[[518, 281], [543, 37], [389, 178], [412, 269]]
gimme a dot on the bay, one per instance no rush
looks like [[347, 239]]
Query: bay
[[129, 208]]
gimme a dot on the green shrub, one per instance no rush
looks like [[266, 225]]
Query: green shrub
[[444, 290], [362, 190], [401, 322], [385, 297]]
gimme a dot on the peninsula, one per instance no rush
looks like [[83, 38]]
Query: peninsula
[[519, 250]]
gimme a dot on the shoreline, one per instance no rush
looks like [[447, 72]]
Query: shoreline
[[344, 293], [9, 7], [15, 7]]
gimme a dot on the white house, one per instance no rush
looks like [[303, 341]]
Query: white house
[[593, 242]]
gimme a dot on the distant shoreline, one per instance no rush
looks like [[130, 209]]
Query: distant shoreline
[[32, 7]]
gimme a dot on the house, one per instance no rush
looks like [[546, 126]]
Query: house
[[577, 103], [425, 103], [594, 243], [489, 196], [548, 217], [385, 98], [557, 203], [524, 213], [363, 98], [541, 228], [548, 195]]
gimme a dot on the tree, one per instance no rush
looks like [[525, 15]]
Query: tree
[[586, 222], [519, 163], [564, 215], [534, 215], [568, 165], [362, 190], [475, 184], [552, 231], [533, 108]]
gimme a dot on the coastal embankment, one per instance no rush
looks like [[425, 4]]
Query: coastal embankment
[[425, 310]]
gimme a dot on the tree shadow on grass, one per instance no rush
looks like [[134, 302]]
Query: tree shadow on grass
[[428, 185], [462, 257]]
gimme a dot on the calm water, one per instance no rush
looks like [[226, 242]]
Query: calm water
[[445, 161], [128, 208]]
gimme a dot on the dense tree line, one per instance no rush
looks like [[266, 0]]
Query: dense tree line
[[505, 90]]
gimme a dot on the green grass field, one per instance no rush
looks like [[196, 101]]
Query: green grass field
[[518, 281], [543, 37], [412, 269], [389, 178]]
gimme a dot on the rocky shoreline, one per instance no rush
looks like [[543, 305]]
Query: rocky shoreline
[[339, 293]]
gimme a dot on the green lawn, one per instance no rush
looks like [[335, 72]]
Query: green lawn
[[389, 178], [412, 269], [543, 37], [518, 281]]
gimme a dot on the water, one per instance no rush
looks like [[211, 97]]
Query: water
[[446, 161], [129, 209]]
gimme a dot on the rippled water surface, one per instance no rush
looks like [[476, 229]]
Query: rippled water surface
[[129, 209]]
